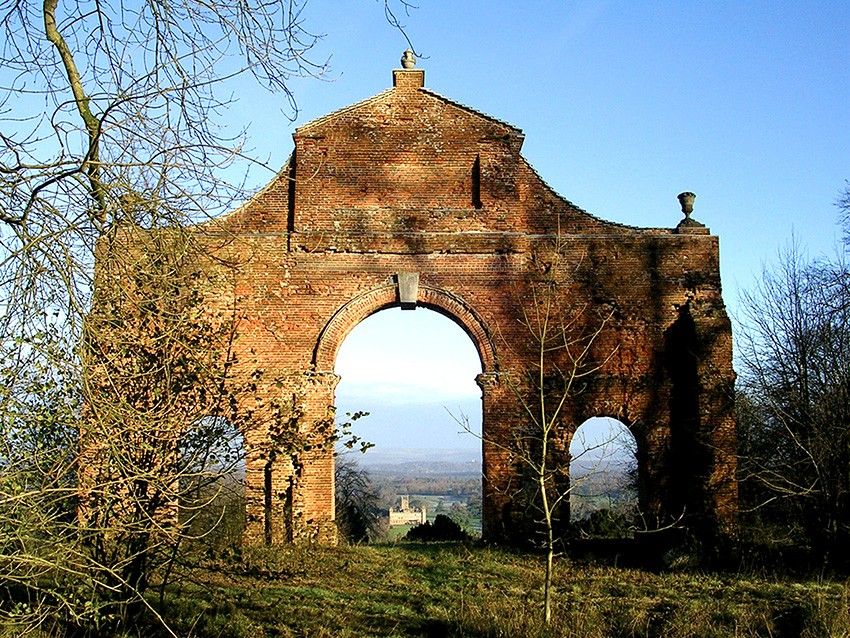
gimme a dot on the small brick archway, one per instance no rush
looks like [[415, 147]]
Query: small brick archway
[[411, 199]]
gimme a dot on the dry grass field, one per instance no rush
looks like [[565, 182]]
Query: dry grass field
[[458, 590]]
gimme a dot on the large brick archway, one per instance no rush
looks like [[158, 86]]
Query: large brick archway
[[390, 295], [387, 296], [411, 199]]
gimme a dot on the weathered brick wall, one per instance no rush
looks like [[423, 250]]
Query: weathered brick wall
[[409, 181]]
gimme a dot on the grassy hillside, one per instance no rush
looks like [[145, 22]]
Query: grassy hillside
[[454, 590]]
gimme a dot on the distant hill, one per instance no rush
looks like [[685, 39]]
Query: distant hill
[[421, 462], [588, 464], [409, 426], [465, 462]]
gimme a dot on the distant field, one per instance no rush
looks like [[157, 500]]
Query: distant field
[[457, 495], [455, 507], [397, 533], [458, 590]]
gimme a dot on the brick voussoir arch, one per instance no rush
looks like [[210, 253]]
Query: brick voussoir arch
[[386, 296]]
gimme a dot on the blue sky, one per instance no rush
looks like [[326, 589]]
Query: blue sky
[[414, 372], [624, 105]]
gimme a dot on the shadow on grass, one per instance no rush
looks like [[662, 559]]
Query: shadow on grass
[[465, 590]]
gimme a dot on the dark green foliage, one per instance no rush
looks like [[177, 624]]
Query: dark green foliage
[[357, 509], [443, 529]]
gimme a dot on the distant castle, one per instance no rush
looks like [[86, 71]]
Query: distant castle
[[406, 515]]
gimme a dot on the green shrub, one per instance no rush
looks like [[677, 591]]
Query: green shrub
[[443, 529]]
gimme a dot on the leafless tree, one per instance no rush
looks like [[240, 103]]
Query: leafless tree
[[559, 343], [117, 399], [114, 114], [97, 465], [794, 400], [563, 339], [119, 113], [843, 204]]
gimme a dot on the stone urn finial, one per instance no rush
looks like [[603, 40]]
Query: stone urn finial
[[686, 199], [689, 224], [408, 59]]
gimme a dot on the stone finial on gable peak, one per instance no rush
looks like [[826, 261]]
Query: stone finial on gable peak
[[689, 225], [408, 77]]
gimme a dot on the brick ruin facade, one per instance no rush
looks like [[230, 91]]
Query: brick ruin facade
[[410, 199]]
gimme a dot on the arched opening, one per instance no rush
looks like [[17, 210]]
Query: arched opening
[[212, 483], [603, 479], [415, 374]]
